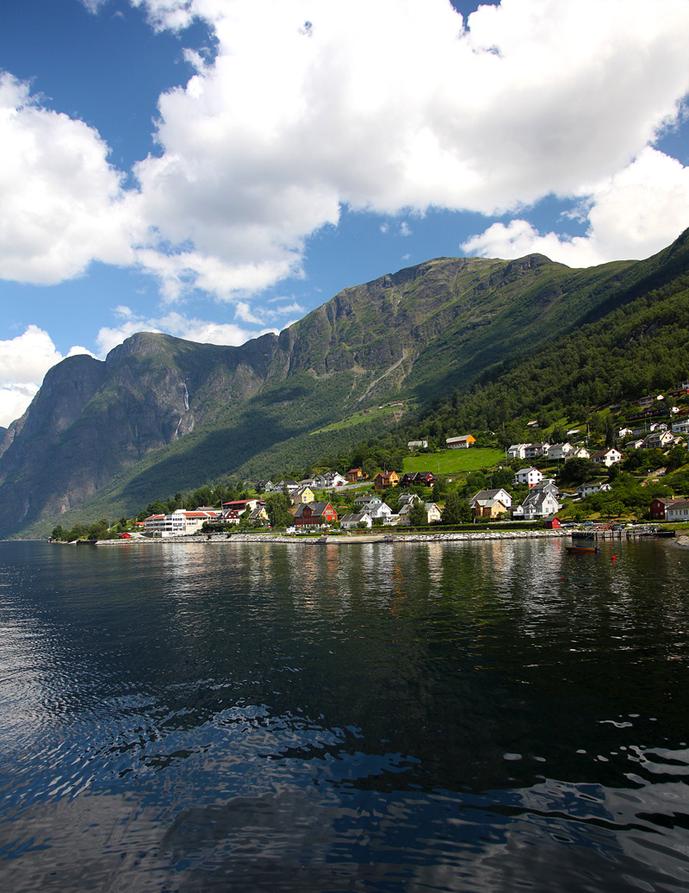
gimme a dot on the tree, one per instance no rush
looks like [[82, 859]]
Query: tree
[[576, 471], [277, 506], [457, 510], [677, 457], [418, 516]]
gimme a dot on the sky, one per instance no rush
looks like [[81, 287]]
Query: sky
[[215, 169]]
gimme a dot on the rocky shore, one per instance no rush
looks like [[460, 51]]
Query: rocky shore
[[344, 539]]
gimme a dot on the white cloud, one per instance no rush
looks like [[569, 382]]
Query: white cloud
[[405, 229], [392, 107], [244, 312], [631, 215], [24, 361], [293, 307], [201, 330], [61, 204]]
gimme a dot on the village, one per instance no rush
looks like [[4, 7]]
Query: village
[[536, 482], [634, 468]]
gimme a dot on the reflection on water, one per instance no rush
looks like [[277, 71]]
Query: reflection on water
[[423, 717]]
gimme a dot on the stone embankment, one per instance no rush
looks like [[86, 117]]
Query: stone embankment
[[345, 540], [683, 542]]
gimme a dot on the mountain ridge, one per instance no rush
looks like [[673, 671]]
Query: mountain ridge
[[162, 413]]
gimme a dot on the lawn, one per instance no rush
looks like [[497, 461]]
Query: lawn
[[451, 461]]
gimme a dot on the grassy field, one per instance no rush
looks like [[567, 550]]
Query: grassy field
[[452, 461]]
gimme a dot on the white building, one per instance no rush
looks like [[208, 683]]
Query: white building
[[560, 450], [579, 452], [517, 451], [178, 523], [607, 457], [659, 440], [356, 521], [540, 503], [678, 510], [588, 489], [681, 427], [529, 476], [417, 445]]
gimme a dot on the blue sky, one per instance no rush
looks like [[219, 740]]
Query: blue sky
[[307, 150]]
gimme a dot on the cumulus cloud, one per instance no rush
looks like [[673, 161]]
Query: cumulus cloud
[[24, 360], [391, 107], [396, 106], [631, 215], [61, 203]]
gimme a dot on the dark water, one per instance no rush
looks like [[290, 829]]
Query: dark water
[[493, 716]]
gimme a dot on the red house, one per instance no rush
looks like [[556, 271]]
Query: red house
[[658, 508], [314, 514]]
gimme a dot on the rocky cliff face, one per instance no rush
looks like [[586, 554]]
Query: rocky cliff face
[[160, 413]]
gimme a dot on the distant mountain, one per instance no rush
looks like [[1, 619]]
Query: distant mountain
[[159, 415]]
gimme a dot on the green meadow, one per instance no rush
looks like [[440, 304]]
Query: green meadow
[[452, 461]]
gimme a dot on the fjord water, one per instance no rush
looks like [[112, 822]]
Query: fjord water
[[484, 716]]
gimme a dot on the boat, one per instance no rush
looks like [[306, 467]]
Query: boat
[[582, 550], [583, 543]]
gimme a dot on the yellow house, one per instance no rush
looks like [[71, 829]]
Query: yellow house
[[303, 494], [385, 479]]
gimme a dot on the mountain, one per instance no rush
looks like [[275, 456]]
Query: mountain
[[159, 414], [631, 345]]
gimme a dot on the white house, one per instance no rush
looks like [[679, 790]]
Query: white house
[[534, 450], [377, 509], [607, 457], [588, 489], [681, 427], [624, 432], [490, 503], [417, 445], [677, 510], [634, 445], [659, 440], [355, 521], [579, 452], [657, 426], [541, 502], [433, 513], [560, 450], [517, 451], [330, 480], [528, 476]]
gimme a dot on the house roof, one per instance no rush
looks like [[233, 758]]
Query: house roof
[[355, 518], [488, 494], [459, 437], [527, 470], [315, 508]]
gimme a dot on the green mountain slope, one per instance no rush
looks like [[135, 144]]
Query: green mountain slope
[[635, 342], [161, 414]]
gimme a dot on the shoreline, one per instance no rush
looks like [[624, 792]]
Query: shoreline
[[341, 540]]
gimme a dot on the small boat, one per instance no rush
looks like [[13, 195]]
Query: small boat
[[582, 550], [583, 543]]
